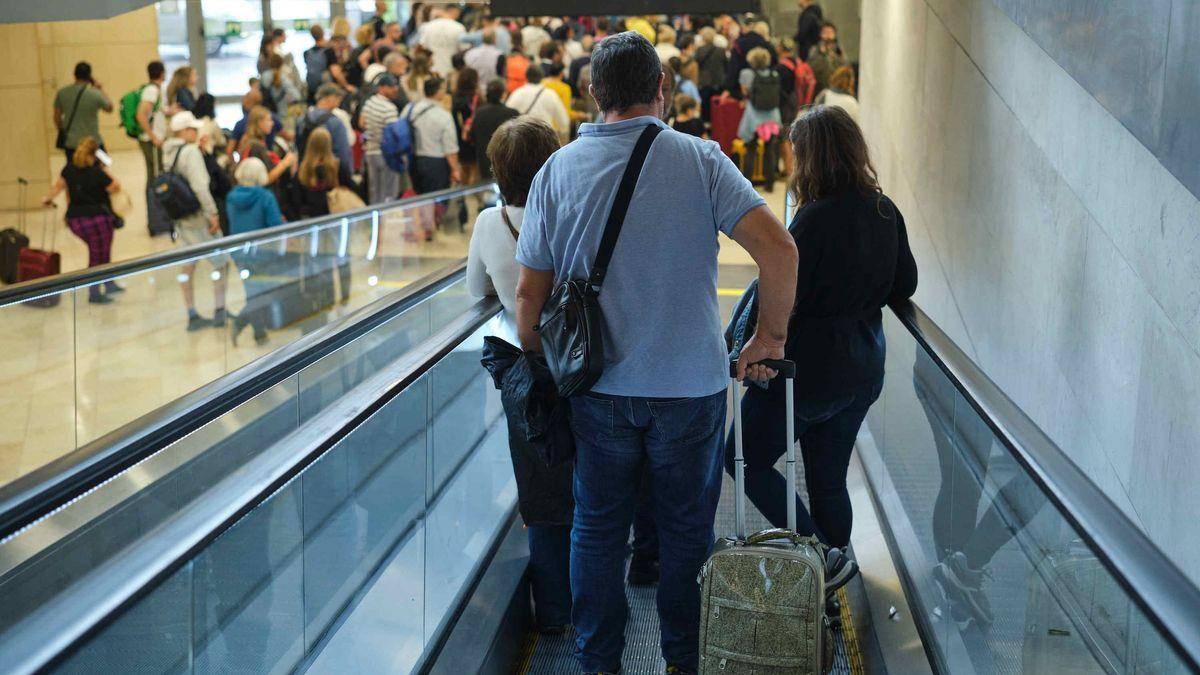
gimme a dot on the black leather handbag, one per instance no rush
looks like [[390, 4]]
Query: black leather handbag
[[571, 325]]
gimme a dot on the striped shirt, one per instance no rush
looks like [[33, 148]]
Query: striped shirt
[[377, 113]]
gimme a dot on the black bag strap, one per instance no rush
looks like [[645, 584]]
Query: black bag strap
[[74, 108], [616, 217], [535, 100]]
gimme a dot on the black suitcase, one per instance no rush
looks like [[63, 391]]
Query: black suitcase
[[13, 240], [157, 220]]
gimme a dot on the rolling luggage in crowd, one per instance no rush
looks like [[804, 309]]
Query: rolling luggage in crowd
[[35, 263], [13, 240], [758, 160], [726, 116], [762, 596]]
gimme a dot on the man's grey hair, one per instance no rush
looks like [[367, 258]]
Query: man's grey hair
[[626, 71]]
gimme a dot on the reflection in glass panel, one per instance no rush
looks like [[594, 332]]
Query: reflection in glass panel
[[1005, 582], [153, 636], [360, 500], [37, 408], [249, 592]]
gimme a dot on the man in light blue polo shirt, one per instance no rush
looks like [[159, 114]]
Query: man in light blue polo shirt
[[661, 399]]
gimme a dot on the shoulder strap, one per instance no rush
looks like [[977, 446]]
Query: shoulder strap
[[71, 119], [535, 100], [616, 217], [508, 221]]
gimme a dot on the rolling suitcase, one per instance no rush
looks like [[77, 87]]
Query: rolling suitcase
[[12, 240], [35, 263], [762, 596], [726, 115]]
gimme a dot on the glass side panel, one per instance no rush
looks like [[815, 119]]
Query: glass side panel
[[88, 368], [353, 555], [1006, 583], [40, 560]]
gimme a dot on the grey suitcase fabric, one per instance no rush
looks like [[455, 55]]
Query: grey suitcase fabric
[[763, 596]]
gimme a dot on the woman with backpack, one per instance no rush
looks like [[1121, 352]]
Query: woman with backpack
[[89, 212], [318, 174], [761, 91], [283, 92]]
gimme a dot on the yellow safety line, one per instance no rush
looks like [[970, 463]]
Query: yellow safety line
[[731, 292], [527, 653], [849, 637]]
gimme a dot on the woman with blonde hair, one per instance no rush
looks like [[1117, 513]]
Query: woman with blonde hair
[[259, 124], [318, 174], [89, 211], [181, 88], [419, 73]]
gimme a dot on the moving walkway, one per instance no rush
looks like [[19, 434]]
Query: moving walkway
[[346, 504]]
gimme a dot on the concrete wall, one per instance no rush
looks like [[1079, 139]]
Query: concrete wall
[[1053, 245], [40, 58]]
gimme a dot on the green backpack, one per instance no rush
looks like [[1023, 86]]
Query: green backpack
[[129, 108]]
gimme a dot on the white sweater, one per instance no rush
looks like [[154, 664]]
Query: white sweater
[[491, 259]]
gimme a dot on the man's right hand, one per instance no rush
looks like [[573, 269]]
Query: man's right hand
[[758, 348]]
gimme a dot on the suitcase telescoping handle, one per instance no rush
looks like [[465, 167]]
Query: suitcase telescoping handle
[[787, 370]]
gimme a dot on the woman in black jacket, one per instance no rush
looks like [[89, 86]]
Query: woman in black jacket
[[854, 259]]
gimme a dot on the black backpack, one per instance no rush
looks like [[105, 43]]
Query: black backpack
[[268, 101], [306, 128], [364, 92], [173, 193], [765, 90]]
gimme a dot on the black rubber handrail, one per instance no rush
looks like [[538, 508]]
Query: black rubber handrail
[[59, 627], [41, 491], [37, 288], [1156, 585]]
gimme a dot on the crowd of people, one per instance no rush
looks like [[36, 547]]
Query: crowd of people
[[551, 109]]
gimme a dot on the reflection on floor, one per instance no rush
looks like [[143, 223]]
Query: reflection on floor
[[80, 370]]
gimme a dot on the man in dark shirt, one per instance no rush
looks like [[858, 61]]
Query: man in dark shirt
[[487, 119], [808, 27]]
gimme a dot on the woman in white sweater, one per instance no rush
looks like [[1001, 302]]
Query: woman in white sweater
[[517, 151]]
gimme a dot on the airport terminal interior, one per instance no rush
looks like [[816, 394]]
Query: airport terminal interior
[[256, 433]]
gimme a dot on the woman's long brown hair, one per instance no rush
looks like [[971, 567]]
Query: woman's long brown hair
[[831, 155]]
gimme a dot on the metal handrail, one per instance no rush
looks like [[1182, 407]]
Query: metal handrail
[[37, 288], [1156, 585], [36, 494], [58, 627]]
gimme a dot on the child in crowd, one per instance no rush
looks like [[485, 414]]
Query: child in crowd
[[687, 116]]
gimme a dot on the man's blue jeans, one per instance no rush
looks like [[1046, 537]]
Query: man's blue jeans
[[680, 441]]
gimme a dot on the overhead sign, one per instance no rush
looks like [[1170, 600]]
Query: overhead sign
[[301, 25], [233, 28]]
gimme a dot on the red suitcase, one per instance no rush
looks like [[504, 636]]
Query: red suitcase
[[35, 263], [726, 115]]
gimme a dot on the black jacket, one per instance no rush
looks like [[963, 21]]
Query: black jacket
[[539, 433], [854, 259], [808, 29]]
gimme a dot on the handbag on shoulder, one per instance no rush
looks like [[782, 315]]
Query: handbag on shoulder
[[571, 327]]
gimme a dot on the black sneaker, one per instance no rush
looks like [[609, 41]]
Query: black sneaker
[[218, 320], [839, 570], [98, 299], [643, 571], [964, 587], [197, 322], [111, 287]]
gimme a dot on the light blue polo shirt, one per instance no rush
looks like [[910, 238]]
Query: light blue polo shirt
[[663, 333]]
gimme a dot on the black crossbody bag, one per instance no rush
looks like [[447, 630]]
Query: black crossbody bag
[[571, 325]]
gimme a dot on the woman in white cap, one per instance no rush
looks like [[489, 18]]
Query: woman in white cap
[[183, 156]]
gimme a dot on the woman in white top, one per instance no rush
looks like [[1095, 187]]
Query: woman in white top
[[840, 92], [517, 151]]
